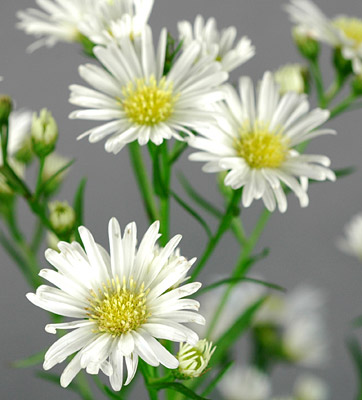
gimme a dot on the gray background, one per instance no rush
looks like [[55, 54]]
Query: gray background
[[302, 240]]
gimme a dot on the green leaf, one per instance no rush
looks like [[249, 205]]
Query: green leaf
[[54, 378], [193, 213], [257, 257], [341, 173], [357, 322], [241, 324], [54, 176], [228, 281], [35, 359], [211, 386], [106, 390], [177, 387], [177, 151], [78, 205], [198, 198]]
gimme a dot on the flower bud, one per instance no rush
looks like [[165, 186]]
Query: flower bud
[[6, 105], [44, 133], [193, 360], [62, 218], [306, 43], [292, 78]]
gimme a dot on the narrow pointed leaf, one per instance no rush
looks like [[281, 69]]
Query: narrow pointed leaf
[[78, 206], [211, 386], [177, 387], [35, 359], [242, 323], [193, 213], [55, 175]]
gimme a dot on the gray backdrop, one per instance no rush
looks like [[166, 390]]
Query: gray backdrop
[[302, 240]]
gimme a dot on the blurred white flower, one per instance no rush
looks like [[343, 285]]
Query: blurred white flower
[[55, 21], [140, 103], [122, 302], [309, 387], [351, 243], [109, 21], [341, 32], [19, 130], [291, 78], [255, 142], [245, 383], [218, 44]]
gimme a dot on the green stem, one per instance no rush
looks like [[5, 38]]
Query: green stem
[[37, 237], [145, 187], [318, 80], [241, 266], [39, 178], [335, 88], [83, 387], [343, 106], [223, 227], [165, 198], [146, 376], [4, 141]]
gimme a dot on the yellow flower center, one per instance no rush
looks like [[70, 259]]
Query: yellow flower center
[[351, 27], [118, 308], [260, 147], [148, 102]]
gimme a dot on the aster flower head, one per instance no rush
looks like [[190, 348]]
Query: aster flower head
[[111, 20], [245, 383], [351, 243], [255, 141], [137, 101], [55, 21], [122, 303], [219, 44], [341, 32]]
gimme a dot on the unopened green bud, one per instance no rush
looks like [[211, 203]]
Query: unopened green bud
[[193, 360], [44, 133], [6, 106], [306, 44], [342, 65], [62, 218]]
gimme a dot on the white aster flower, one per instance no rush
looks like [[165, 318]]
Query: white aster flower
[[193, 360], [291, 78], [255, 142], [55, 21], [245, 383], [219, 44], [135, 98], [19, 130], [309, 387], [112, 20], [352, 242], [122, 302], [342, 32]]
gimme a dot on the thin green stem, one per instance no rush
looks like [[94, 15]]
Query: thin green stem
[[165, 198], [39, 178], [241, 266], [146, 376], [343, 106], [318, 80], [4, 141], [223, 227], [144, 184], [37, 236], [83, 387]]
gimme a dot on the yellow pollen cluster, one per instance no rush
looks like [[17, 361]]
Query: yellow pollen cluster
[[147, 102], [351, 27], [261, 148], [118, 308]]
